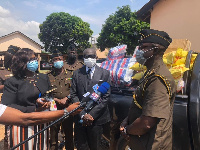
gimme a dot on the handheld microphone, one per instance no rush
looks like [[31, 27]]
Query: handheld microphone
[[96, 95], [94, 98]]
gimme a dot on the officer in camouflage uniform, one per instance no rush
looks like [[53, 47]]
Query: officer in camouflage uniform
[[149, 122], [60, 78]]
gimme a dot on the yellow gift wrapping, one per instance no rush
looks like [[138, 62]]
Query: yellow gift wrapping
[[177, 71], [138, 67], [138, 76], [174, 60], [169, 58]]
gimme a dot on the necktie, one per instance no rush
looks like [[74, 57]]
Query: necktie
[[88, 77], [89, 74]]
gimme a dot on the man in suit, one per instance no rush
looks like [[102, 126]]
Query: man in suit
[[89, 132]]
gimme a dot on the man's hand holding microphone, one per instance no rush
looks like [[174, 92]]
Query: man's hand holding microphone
[[92, 100]]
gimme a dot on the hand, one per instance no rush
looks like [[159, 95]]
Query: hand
[[87, 120], [42, 104], [123, 129], [72, 107], [61, 102], [124, 123]]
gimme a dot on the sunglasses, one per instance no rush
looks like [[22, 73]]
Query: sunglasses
[[89, 56]]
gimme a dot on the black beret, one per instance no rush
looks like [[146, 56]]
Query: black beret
[[72, 47], [56, 53], [12, 49], [155, 36]]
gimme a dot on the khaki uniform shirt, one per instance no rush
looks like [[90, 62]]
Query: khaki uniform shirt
[[152, 95], [63, 80]]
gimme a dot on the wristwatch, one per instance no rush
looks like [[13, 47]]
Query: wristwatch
[[65, 112]]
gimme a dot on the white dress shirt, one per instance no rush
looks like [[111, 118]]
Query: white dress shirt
[[91, 72]]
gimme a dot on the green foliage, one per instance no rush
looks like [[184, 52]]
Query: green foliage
[[60, 30], [122, 27]]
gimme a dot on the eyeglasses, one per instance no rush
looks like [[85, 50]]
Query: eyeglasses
[[89, 56]]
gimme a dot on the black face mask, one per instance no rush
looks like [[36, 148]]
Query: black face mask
[[72, 57]]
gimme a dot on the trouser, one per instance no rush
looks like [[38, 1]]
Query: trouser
[[67, 126], [114, 134], [88, 138]]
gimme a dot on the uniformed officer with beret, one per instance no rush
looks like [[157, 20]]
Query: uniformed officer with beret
[[149, 122], [60, 78]]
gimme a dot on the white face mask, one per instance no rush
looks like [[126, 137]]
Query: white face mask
[[90, 62]]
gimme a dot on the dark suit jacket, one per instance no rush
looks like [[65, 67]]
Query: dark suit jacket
[[79, 87], [19, 93]]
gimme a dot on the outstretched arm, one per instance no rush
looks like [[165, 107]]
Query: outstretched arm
[[15, 117]]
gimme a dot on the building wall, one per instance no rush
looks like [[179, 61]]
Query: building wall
[[179, 18], [20, 41]]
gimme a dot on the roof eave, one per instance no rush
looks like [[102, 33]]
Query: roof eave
[[145, 12], [24, 36]]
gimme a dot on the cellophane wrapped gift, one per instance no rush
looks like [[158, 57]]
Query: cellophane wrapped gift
[[117, 52], [119, 71]]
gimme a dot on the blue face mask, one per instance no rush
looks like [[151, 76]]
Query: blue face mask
[[32, 65], [58, 64]]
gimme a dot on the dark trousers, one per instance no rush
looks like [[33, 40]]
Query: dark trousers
[[114, 134], [67, 126], [88, 138]]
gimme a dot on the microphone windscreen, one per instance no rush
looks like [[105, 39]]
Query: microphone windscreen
[[104, 87]]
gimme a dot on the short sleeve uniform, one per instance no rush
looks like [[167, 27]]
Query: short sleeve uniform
[[152, 98]]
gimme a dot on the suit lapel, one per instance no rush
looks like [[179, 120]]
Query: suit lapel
[[83, 77], [39, 82]]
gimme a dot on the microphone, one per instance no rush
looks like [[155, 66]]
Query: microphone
[[94, 98], [96, 95]]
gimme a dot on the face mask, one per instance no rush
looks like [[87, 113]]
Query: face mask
[[32, 65], [58, 64], [72, 57], [90, 62], [140, 56]]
